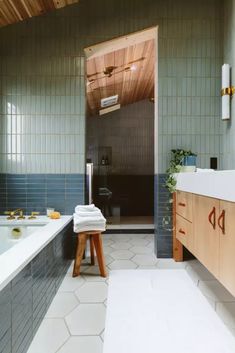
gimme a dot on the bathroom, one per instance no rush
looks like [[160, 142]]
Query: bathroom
[[43, 139]]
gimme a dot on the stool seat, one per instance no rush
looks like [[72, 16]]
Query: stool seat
[[95, 246]]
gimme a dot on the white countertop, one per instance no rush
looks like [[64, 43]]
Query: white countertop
[[217, 184], [17, 257]]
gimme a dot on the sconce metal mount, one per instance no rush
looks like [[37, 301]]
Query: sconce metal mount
[[228, 91]]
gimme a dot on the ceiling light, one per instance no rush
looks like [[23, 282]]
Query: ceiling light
[[133, 67], [109, 109], [106, 102]]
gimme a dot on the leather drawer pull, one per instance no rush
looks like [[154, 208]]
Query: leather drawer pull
[[221, 221], [182, 231], [212, 217], [182, 204]]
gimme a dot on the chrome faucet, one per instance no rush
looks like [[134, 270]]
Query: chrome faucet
[[15, 212]]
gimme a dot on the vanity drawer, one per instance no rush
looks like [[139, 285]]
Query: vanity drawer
[[184, 205], [184, 232]]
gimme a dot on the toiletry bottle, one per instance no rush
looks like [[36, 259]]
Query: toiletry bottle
[[103, 160]]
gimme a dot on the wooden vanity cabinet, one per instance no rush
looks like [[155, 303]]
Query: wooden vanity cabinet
[[183, 221], [184, 232], [208, 233], [184, 205], [227, 245]]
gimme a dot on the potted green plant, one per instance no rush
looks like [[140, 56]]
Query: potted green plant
[[180, 158]]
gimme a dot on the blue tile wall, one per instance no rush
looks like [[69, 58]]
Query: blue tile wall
[[36, 192], [25, 300], [162, 218]]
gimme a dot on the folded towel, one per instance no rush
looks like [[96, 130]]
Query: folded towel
[[89, 222], [98, 227], [86, 208], [89, 214], [88, 219]]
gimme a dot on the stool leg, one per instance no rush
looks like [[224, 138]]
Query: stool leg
[[81, 245], [97, 239], [92, 251]]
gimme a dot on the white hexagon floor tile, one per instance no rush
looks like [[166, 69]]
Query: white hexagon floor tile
[[85, 264], [91, 344], [122, 265], [144, 267], [149, 237], [50, 336], [121, 245], [141, 250], [107, 242], [102, 336], [122, 237], [139, 242], [92, 273], [122, 255], [92, 292], [170, 264], [107, 249], [62, 304], [145, 260], [108, 259], [86, 319], [138, 236], [70, 284]]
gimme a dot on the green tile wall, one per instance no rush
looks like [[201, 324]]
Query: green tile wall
[[42, 109]]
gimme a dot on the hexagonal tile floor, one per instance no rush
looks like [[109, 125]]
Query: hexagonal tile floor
[[79, 306], [76, 318], [92, 292]]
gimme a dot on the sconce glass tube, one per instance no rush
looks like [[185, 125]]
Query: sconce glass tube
[[225, 92]]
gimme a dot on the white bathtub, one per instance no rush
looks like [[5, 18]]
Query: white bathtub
[[12, 234], [22, 240]]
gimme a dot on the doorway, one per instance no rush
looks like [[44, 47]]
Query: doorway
[[120, 91]]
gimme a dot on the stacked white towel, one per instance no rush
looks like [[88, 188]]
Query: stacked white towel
[[88, 218]]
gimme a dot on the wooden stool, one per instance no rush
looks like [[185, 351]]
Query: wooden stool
[[95, 245]]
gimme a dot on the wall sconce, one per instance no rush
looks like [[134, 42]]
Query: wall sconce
[[227, 91]]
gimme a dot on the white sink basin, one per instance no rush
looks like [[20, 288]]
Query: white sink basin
[[219, 184]]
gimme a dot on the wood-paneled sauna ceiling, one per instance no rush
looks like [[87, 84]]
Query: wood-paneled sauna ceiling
[[127, 72], [12, 11]]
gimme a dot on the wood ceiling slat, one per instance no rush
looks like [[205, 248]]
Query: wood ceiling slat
[[131, 86], [7, 12], [146, 87], [20, 18], [12, 11], [26, 8], [46, 5]]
